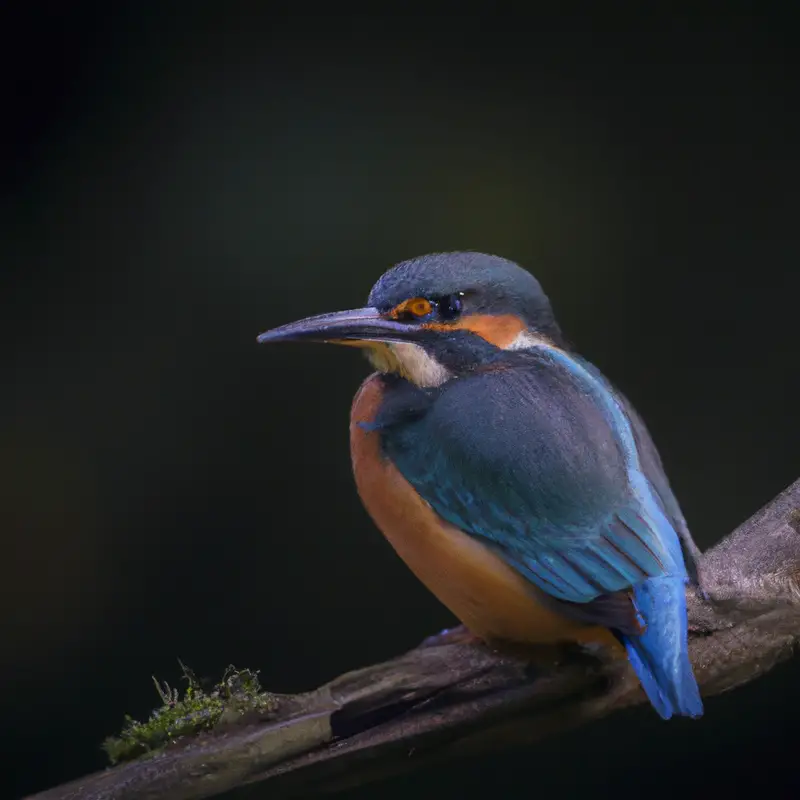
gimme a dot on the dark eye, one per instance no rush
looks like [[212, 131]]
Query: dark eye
[[450, 307]]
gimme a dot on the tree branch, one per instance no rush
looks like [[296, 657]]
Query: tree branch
[[449, 698]]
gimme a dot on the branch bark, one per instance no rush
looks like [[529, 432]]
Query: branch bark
[[449, 698]]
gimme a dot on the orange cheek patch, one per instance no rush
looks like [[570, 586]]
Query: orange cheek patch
[[499, 330]]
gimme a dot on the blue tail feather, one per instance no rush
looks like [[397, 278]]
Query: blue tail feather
[[660, 656]]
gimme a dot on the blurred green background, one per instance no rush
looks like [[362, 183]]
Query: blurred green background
[[178, 177]]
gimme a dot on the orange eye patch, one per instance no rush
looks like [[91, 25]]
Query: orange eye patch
[[416, 307]]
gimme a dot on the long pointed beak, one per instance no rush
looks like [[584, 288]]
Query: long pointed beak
[[361, 324]]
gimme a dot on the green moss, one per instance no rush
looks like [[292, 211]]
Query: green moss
[[238, 693]]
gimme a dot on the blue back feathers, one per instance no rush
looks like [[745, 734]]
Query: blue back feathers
[[534, 454]]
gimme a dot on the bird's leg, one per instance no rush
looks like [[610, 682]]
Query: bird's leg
[[457, 635], [544, 655], [590, 646]]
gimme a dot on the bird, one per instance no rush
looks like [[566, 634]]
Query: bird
[[514, 479]]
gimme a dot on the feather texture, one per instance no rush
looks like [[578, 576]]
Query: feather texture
[[537, 458]]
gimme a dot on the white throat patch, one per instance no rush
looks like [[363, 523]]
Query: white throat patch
[[411, 362]]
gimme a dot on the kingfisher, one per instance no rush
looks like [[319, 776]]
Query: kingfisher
[[515, 481]]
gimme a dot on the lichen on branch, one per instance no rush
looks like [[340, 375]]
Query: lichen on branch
[[236, 696]]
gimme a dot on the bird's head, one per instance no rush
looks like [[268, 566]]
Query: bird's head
[[437, 315]]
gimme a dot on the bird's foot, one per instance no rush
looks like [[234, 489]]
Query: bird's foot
[[458, 635], [547, 656], [543, 655]]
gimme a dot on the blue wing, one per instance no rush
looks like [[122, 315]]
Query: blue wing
[[537, 457], [653, 470]]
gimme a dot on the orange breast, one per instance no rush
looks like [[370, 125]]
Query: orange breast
[[493, 600]]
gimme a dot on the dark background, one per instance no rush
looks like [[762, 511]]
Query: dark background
[[176, 179]]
